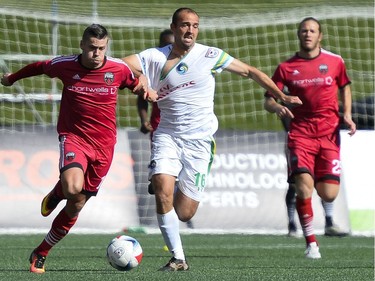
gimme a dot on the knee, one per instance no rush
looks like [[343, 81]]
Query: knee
[[184, 216], [327, 191], [327, 197], [70, 194], [185, 212], [163, 198], [71, 190], [72, 181]]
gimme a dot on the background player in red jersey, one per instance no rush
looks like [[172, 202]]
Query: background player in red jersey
[[315, 76], [86, 127]]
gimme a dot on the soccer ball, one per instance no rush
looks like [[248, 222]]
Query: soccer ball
[[124, 253]]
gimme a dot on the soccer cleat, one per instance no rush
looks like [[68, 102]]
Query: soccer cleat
[[292, 230], [175, 265], [334, 231], [49, 203], [37, 263], [312, 251]]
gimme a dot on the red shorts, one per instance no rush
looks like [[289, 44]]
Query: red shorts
[[94, 162], [319, 157]]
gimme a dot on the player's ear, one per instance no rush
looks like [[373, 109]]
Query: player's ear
[[320, 36], [81, 44]]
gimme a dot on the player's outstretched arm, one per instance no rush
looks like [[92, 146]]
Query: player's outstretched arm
[[245, 70], [32, 69]]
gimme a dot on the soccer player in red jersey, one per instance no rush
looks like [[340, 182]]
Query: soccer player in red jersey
[[315, 76], [86, 127]]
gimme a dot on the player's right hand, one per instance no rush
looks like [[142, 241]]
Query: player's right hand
[[151, 95], [5, 80]]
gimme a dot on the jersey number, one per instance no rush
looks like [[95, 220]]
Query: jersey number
[[200, 181], [336, 166]]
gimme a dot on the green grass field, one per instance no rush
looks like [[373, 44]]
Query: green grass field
[[211, 257]]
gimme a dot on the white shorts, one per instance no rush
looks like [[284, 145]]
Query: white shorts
[[188, 160]]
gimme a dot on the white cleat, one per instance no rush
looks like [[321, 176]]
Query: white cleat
[[312, 251], [334, 231]]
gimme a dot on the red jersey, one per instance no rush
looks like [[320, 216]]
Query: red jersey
[[89, 96], [316, 82]]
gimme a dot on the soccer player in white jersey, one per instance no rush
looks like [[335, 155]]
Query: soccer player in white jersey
[[183, 74]]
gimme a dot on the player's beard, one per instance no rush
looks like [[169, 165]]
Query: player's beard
[[307, 48]]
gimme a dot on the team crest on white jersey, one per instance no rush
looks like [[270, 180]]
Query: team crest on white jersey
[[212, 53], [109, 77], [182, 68], [323, 68]]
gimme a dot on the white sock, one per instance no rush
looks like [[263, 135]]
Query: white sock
[[169, 225], [328, 208]]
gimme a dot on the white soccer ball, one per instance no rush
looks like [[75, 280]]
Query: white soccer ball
[[124, 253]]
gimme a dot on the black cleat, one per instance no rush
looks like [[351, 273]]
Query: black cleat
[[175, 265]]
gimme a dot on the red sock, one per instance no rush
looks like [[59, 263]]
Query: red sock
[[306, 215], [59, 229]]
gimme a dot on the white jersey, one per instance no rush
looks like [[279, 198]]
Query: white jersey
[[186, 93]]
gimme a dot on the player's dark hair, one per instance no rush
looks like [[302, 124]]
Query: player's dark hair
[[177, 13], [95, 30], [307, 19], [163, 38]]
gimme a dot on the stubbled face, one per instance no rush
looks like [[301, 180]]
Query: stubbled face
[[309, 36], [93, 52], [186, 30]]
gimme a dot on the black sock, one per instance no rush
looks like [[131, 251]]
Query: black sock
[[329, 222]]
